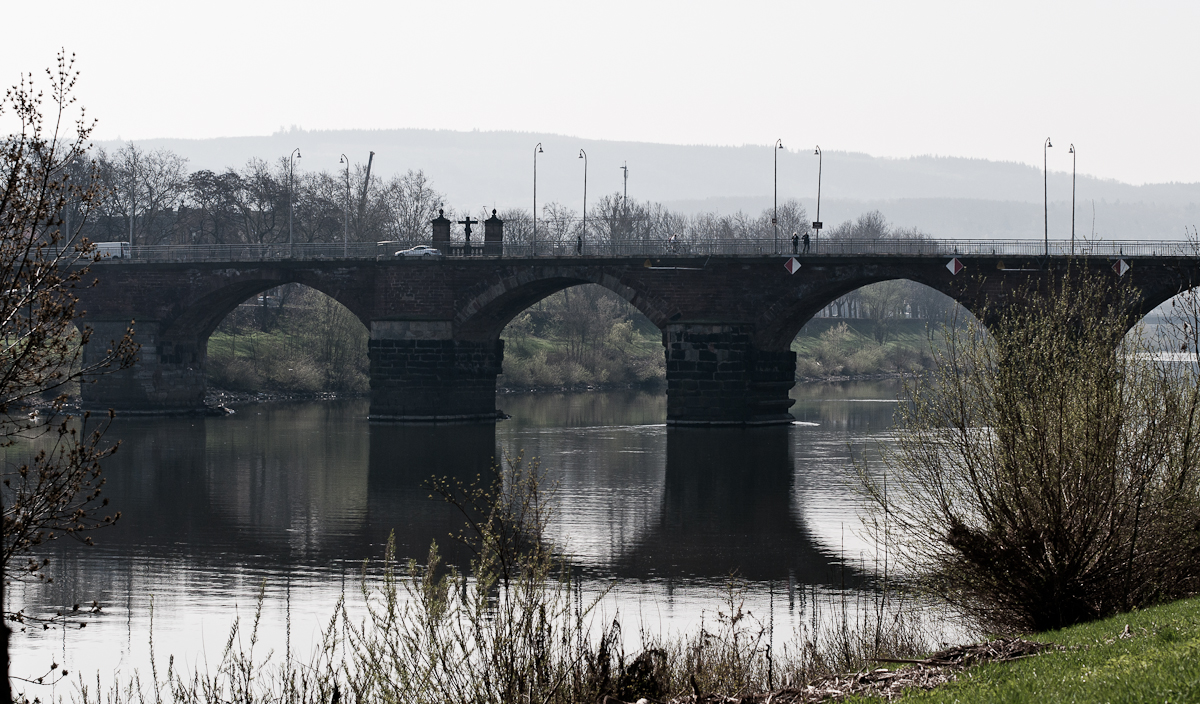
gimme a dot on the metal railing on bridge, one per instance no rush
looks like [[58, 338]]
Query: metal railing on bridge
[[667, 248]]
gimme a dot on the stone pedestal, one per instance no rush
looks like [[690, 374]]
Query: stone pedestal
[[419, 374], [715, 376], [169, 377]]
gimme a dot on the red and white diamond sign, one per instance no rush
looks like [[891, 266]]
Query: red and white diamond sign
[[955, 266], [1121, 267], [792, 265]]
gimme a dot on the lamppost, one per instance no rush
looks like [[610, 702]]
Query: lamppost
[[1046, 196], [625, 228], [536, 150], [291, 194], [817, 223], [775, 206], [346, 211], [1071, 151], [583, 155]]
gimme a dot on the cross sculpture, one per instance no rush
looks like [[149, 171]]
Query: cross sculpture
[[467, 230]]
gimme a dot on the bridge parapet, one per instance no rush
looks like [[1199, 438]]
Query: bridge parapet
[[915, 247]]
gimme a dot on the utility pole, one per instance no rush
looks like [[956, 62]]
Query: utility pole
[[362, 201]]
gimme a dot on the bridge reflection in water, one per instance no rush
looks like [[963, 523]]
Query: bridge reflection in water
[[727, 509], [403, 460], [314, 485]]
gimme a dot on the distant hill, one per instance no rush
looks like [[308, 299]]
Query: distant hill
[[945, 196]]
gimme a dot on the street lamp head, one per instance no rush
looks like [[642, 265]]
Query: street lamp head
[[1071, 150], [779, 143], [539, 148], [1048, 144], [817, 151], [581, 154]]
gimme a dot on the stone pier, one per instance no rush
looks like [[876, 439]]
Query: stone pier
[[716, 376], [169, 377], [419, 373]]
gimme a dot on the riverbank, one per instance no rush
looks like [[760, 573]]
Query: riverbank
[[1151, 655]]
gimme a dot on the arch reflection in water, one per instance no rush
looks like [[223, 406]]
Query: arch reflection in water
[[403, 459], [274, 481], [727, 510]]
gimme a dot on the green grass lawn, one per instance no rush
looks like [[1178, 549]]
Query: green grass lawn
[[1160, 662]]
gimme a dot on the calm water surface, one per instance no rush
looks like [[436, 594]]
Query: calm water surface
[[291, 498]]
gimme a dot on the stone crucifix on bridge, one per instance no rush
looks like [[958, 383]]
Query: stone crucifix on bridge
[[467, 231]]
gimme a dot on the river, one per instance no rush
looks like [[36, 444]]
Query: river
[[290, 498]]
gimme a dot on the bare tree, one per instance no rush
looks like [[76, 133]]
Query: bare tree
[[145, 188], [408, 204], [55, 491]]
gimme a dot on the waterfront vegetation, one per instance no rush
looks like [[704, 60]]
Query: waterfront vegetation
[[828, 348], [584, 336], [1146, 655], [1047, 473], [291, 339]]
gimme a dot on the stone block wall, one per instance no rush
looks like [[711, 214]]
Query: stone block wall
[[168, 378], [715, 376], [434, 380]]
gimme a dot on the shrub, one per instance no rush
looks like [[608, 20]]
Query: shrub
[[1047, 474]]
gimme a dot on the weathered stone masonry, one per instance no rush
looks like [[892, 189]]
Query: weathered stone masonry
[[419, 373], [435, 346], [716, 376]]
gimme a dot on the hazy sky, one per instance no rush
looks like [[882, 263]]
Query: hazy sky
[[972, 79]]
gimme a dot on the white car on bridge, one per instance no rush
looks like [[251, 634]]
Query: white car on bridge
[[421, 251]]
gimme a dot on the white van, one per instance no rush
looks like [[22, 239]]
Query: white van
[[113, 250]]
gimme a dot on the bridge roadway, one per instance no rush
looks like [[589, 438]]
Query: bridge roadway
[[727, 318]]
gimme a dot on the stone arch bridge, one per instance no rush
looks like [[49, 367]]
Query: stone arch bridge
[[435, 348]]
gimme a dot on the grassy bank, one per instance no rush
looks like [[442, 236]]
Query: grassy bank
[[1151, 655], [294, 340], [582, 337], [833, 347]]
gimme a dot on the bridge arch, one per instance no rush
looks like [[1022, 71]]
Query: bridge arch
[[484, 315], [779, 323], [200, 316]]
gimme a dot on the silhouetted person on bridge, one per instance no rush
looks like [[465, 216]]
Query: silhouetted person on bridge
[[806, 243], [795, 243], [579, 244]]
